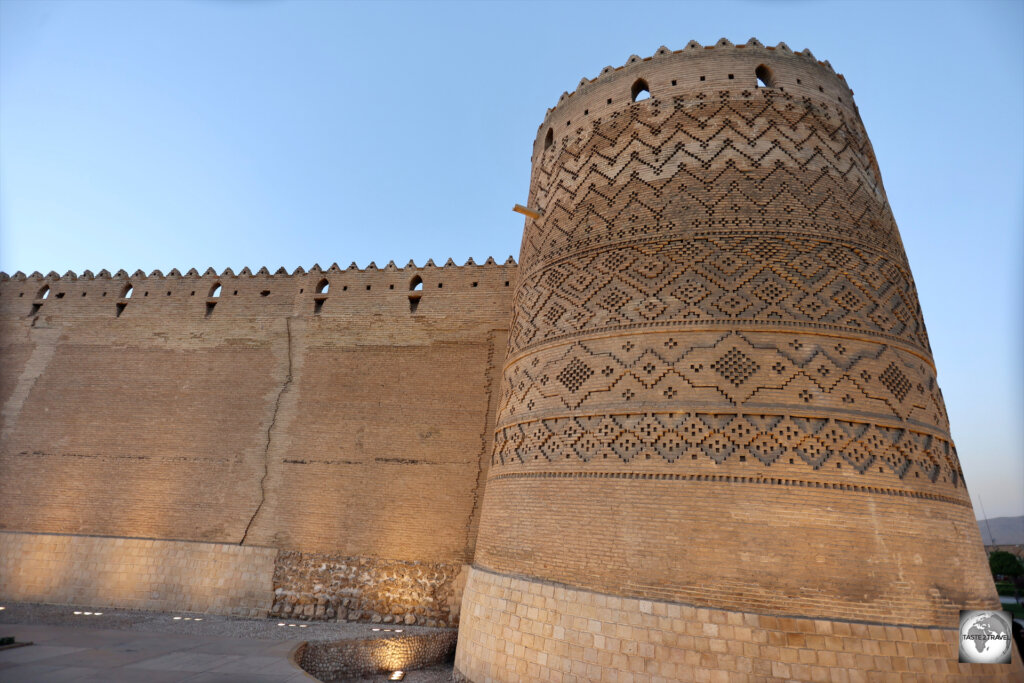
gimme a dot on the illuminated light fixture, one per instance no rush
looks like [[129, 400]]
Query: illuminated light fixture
[[396, 676], [374, 629], [2, 608], [398, 630], [177, 618], [97, 614], [77, 612], [303, 625], [282, 624], [87, 613], [291, 624], [198, 619]]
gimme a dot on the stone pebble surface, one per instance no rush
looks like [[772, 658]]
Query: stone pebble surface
[[207, 624]]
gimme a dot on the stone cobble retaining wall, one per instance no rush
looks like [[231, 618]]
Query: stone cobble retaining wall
[[333, 660], [324, 586]]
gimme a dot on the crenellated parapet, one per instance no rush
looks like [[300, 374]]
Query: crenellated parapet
[[710, 69], [314, 291]]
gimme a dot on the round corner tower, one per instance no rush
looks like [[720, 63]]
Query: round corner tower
[[720, 448]]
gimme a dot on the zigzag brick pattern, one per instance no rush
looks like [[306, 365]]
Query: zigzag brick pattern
[[719, 390]]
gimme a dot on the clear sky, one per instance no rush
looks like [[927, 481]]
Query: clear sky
[[221, 133]]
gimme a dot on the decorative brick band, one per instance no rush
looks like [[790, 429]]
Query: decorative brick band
[[774, 481], [518, 629]]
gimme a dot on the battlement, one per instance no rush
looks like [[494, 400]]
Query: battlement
[[330, 291], [693, 69]]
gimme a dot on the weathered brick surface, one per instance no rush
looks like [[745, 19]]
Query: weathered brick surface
[[517, 629], [719, 389], [135, 573]]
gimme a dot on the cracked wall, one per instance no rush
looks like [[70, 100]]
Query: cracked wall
[[339, 423]]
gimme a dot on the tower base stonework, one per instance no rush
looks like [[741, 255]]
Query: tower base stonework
[[521, 629]]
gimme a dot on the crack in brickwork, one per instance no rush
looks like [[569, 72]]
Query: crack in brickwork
[[270, 429], [485, 452]]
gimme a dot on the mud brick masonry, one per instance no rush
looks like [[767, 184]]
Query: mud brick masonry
[[694, 435]]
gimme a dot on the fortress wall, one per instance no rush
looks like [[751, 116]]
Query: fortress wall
[[353, 426], [133, 573]]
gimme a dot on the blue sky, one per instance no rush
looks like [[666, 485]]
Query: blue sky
[[218, 133]]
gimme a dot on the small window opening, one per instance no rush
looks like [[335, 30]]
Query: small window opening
[[60, 295], [414, 303], [210, 305], [549, 139], [506, 283], [609, 100], [168, 293], [391, 286], [35, 309], [673, 82], [104, 293], [440, 285], [265, 292], [416, 284], [640, 90], [764, 77], [318, 306], [44, 292], [568, 122], [120, 309], [821, 89], [83, 293], [586, 112], [21, 294], [323, 287], [215, 290], [344, 288], [475, 284], [127, 293], [235, 293], [703, 78], [145, 294], [301, 290], [368, 288], [798, 81], [731, 77]]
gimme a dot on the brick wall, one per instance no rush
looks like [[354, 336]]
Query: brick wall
[[719, 388], [273, 414], [132, 573]]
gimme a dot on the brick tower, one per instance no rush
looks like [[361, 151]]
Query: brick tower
[[720, 451]]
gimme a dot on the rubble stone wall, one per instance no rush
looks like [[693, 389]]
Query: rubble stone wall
[[322, 586]]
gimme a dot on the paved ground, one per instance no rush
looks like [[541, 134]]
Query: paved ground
[[151, 647]]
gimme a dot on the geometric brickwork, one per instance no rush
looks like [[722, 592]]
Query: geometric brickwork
[[719, 389]]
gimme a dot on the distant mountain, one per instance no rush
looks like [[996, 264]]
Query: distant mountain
[[1005, 530]]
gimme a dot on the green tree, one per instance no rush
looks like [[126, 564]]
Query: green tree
[[1005, 564]]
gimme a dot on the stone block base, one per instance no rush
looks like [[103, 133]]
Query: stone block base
[[518, 629], [135, 573]]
